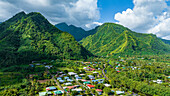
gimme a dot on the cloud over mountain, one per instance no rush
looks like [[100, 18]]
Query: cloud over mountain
[[147, 16], [77, 12]]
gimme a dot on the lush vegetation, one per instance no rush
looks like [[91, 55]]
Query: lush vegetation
[[77, 32], [114, 39], [166, 41], [138, 74], [27, 37]]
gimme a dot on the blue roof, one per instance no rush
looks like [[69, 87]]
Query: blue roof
[[120, 92], [94, 80], [52, 87], [66, 77]]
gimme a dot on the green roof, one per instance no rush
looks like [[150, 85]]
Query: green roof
[[44, 93], [57, 92], [86, 82]]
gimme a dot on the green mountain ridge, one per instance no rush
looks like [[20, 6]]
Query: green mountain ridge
[[166, 41], [111, 39], [78, 32], [27, 37]]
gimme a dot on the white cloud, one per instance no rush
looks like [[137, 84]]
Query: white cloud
[[147, 16], [76, 12], [93, 24]]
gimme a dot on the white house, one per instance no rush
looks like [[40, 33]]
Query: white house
[[72, 73]]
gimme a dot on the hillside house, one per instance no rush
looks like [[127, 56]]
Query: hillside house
[[90, 86]]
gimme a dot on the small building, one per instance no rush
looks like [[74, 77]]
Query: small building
[[70, 80], [78, 78], [61, 81], [95, 81], [51, 88], [120, 92], [90, 86], [91, 77], [59, 78], [107, 85], [82, 75], [99, 91], [66, 77], [78, 90], [48, 66], [71, 87], [58, 92], [72, 73], [68, 84], [86, 82], [44, 93], [95, 72]]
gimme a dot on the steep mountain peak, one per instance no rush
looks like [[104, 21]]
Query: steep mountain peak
[[28, 37], [112, 38]]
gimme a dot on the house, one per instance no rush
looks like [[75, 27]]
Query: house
[[95, 81], [90, 86], [99, 91], [48, 66], [32, 65], [70, 80], [61, 81], [78, 90], [91, 77], [67, 84], [59, 78], [51, 88], [72, 73], [86, 82], [82, 75], [120, 92], [66, 77], [85, 68], [78, 78], [58, 92], [95, 72], [44, 93], [71, 87], [92, 69], [100, 80], [107, 85]]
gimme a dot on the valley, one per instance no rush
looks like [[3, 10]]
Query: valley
[[39, 59], [96, 76]]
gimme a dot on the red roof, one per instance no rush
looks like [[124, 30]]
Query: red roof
[[71, 87], [90, 85], [47, 88], [118, 71], [99, 90]]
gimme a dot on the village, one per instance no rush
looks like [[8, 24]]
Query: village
[[85, 78]]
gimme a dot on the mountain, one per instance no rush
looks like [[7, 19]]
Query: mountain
[[112, 39], [27, 37], [77, 32], [0, 22], [166, 41]]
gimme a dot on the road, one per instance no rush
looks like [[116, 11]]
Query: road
[[104, 73], [58, 84], [82, 85]]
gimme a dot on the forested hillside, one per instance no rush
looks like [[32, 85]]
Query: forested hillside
[[27, 37], [112, 39], [77, 32], [166, 41]]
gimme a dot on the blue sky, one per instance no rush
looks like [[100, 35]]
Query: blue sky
[[108, 8]]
